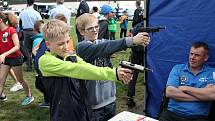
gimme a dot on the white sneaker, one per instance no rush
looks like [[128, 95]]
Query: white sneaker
[[16, 87]]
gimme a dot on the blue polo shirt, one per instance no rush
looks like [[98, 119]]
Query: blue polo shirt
[[181, 75]]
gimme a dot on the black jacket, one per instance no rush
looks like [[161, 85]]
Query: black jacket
[[138, 16], [82, 8], [67, 98], [66, 101], [103, 29]]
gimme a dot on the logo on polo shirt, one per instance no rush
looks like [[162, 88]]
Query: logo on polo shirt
[[183, 79], [203, 79]]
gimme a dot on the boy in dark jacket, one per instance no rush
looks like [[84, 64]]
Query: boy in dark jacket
[[62, 69]]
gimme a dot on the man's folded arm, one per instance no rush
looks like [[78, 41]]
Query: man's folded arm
[[176, 94], [205, 94]]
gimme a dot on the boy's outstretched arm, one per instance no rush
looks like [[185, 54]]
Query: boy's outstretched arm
[[90, 51], [52, 66]]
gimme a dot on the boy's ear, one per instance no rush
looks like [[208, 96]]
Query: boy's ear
[[82, 32]]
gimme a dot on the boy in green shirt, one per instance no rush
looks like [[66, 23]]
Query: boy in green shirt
[[112, 27], [62, 70]]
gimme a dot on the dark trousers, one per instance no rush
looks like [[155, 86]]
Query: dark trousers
[[105, 113], [136, 58], [112, 35], [123, 31], [39, 85], [28, 43], [170, 116]]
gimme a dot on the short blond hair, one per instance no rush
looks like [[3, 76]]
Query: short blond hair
[[84, 20], [55, 29], [9, 19]]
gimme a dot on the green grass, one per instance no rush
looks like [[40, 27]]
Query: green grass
[[11, 110]]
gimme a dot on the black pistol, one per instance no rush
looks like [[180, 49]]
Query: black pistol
[[129, 65], [150, 29]]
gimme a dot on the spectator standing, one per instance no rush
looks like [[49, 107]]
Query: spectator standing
[[37, 46], [112, 27], [82, 8], [38, 36], [106, 12], [16, 86], [10, 56], [138, 14], [137, 54], [124, 24], [60, 8], [28, 17], [101, 94]]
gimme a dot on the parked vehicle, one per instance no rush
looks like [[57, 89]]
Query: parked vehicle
[[43, 8]]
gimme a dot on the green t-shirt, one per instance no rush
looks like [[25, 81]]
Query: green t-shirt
[[112, 25], [50, 65]]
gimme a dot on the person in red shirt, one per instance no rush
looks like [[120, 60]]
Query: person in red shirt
[[11, 56]]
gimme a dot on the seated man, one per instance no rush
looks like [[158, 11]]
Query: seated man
[[62, 69], [190, 88]]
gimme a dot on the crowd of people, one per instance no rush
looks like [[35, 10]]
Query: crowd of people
[[79, 84]]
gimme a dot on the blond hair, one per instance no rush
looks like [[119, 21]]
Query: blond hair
[[9, 19], [55, 29], [85, 19]]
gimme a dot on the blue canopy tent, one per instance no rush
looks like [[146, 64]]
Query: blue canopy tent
[[186, 21]]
